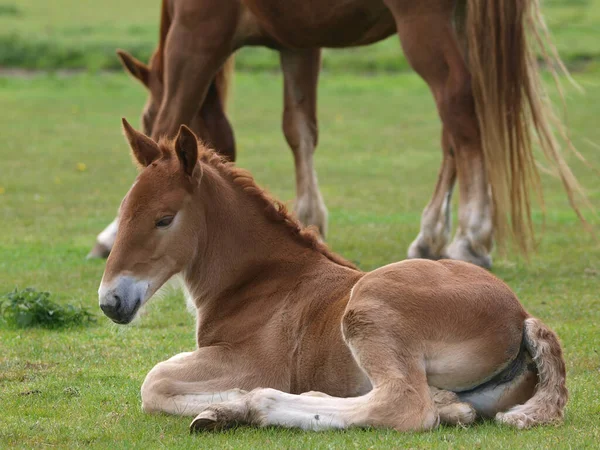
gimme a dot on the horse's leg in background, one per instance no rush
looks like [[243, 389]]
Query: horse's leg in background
[[431, 46], [301, 73], [199, 42], [436, 220], [195, 51], [217, 130], [105, 241]]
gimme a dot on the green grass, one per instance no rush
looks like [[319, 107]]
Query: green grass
[[59, 34], [65, 167]]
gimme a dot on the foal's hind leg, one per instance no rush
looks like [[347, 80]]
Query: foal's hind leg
[[432, 48], [435, 220], [300, 73], [451, 410]]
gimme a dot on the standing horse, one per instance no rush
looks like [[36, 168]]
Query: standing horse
[[405, 346], [473, 54]]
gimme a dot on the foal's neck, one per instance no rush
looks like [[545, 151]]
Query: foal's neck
[[245, 248]]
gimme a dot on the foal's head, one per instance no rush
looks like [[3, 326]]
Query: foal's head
[[160, 227]]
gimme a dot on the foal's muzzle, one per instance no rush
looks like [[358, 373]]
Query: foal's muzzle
[[121, 300]]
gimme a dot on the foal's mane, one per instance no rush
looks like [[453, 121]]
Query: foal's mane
[[273, 209]]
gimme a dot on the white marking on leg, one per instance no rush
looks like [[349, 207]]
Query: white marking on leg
[[308, 412], [435, 220], [188, 404], [473, 239], [193, 404], [109, 234], [310, 207]]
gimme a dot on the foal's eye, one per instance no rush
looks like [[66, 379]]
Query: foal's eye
[[164, 222]]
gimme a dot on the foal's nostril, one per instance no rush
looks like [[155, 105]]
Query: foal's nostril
[[117, 302], [111, 308]]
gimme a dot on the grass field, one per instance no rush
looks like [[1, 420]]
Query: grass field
[[64, 167]]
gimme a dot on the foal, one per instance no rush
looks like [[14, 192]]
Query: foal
[[316, 342]]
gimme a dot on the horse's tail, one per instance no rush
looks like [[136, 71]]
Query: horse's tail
[[548, 402], [501, 37], [223, 81]]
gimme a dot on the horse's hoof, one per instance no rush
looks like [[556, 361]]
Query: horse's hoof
[[463, 251], [100, 251], [207, 421], [420, 250]]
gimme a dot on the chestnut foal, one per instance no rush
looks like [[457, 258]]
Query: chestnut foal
[[476, 56], [291, 334]]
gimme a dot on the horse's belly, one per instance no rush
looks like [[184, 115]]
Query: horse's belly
[[323, 23]]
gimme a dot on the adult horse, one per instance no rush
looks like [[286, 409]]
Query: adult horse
[[403, 346], [474, 54]]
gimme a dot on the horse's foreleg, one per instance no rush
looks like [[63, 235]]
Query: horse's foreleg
[[105, 241], [301, 72], [199, 42], [431, 46]]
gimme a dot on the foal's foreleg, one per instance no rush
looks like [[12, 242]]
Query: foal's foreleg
[[317, 411], [186, 383], [300, 73]]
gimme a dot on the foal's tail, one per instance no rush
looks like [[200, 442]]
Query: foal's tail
[[551, 395], [501, 38]]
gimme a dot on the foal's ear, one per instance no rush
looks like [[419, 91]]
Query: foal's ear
[[134, 66], [144, 149], [186, 146]]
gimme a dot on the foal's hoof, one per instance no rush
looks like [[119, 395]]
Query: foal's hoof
[[457, 414], [207, 421], [100, 251]]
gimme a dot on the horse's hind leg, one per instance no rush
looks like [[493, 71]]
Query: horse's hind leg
[[300, 74], [431, 46], [435, 220]]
